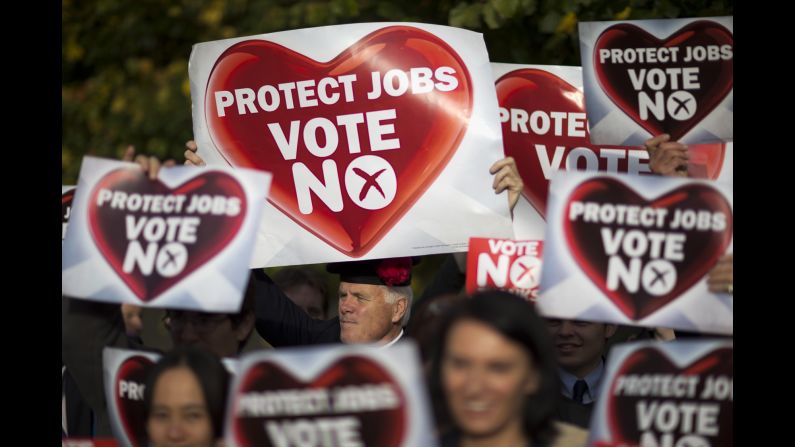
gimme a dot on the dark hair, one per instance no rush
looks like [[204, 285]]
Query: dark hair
[[516, 319], [211, 374], [292, 276], [424, 324]]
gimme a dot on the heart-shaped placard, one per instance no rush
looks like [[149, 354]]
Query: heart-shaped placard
[[532, 90], [622, 410], [66, 209], [173, 257], [659, 281], [428, 125], [382, 418], [129, 389], [66, 204], [684, 107]]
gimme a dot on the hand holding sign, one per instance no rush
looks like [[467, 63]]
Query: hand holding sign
[[506, 177], [721, 277], [667, 157], [191, 157], [144, 160]]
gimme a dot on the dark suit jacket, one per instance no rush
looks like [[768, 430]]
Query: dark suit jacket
[[574, 413], [78, 414], [282, 323], [87, 327]]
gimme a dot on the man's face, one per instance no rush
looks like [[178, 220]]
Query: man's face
[[133, 324], [308, 298], [579, 344], [365, 316], [213, 332]]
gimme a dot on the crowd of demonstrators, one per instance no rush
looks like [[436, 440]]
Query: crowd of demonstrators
[[375, 300], [89, 326], [499, 374]]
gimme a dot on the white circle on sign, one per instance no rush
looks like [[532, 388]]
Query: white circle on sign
[[658, 277], [171, 259], [681, 105], [525, 272], [371, 182]]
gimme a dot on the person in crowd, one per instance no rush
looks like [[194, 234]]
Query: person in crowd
[[494, 376], [374, 302], [133, 323], [185, 399], [374, 296], [305, 287], [580, 347], [425, 320]]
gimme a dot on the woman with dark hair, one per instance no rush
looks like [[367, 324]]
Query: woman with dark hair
[[185, 398], [494, 377]]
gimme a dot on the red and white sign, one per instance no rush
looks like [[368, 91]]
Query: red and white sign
[[636, 250], [67, 194], [125, 373], [679, 393], [649, 77], [506, 264], [544, 128], [334, 395], [379, 136], [183, 240]]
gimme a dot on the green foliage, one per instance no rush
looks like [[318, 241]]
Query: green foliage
[[125, 64]]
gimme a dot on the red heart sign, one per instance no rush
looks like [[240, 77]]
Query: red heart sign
[[622, 410], [663, 273], [429, 127], [129, 392], [66, 209], [527, 91], [330, 402], [684, 107], [66, 204], [159, 245]]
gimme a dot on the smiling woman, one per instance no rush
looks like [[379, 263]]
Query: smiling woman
[[494, 376], [184, 399]]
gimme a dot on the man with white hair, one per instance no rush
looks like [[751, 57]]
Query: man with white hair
[[374, 302]]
